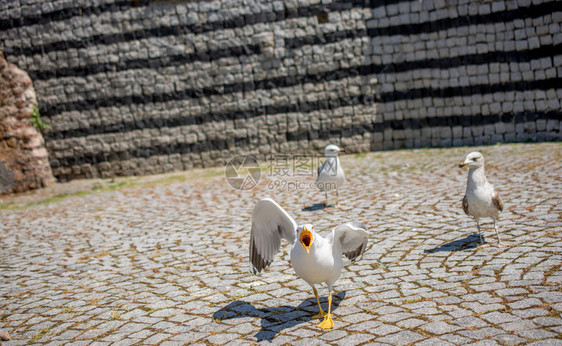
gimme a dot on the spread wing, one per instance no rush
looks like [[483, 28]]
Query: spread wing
[[496, 199], [270, 224], [352, 237], [465, 205]]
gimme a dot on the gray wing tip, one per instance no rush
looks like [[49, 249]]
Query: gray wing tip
[[354, 255], [254, 270], [357, 253]]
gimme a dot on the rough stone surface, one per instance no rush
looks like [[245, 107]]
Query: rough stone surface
[[24, 163], [164, 259]]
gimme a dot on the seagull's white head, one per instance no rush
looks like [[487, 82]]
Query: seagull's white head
[[306, 236], [473, 160], [332, 150]]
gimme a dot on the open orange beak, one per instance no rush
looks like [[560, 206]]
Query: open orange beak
[[306, 238]]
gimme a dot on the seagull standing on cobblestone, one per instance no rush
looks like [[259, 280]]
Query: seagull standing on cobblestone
[[314, 258], [481, 199], [330, 174]]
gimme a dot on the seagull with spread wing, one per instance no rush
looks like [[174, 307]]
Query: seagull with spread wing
[[314, 258], [480, 199]]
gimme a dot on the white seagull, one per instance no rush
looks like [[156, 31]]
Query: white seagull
[[314, 258], [330, 174], [481, 199]]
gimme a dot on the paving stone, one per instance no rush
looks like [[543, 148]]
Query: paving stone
[[499, 317], [536, 334], [509, 339], [480, 308], [190, 337], [385, 329], [470, 322], [410, 323], [433, 342], [403, 337], [481, 333], [456, 339], [156, 338], [544, 343], [396, 317], [525, 303], [518, 325], [126, 342], [485, 342], [222, 338], [456, 313], [357, 339], [357, 318], [547, 321], [439, 327], [333, 335], [142, 334], [368, 325]]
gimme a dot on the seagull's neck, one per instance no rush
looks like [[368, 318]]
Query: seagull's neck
[[476, 176]]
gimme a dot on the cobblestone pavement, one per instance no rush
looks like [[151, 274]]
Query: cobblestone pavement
[[165, 261]]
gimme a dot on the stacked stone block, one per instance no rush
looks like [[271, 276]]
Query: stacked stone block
[[140, 87]]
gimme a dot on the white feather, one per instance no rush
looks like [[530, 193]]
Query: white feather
[[270, 224]]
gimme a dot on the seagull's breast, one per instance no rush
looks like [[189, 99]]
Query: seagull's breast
[[330, 175], [320, 265], [480, 201]]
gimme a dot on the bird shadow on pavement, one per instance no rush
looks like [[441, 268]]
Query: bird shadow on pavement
[[276, 319], [470, 242], [315, 207]]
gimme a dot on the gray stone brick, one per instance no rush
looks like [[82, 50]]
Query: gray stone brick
[[439, 327]]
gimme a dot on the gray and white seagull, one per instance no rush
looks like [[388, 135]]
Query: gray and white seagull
[[314, 258], [480, 199], [330, 174]]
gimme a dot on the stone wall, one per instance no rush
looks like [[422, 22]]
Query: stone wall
[[24, 163], [139, 87]]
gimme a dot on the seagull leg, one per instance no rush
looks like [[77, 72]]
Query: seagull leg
[[337, 200], [500, 244], [321, 313], [328, 322], [480, 234], [326, 203]]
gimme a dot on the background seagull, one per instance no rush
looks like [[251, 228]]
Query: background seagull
[[330, 174], [481, 199], [314, 258]]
